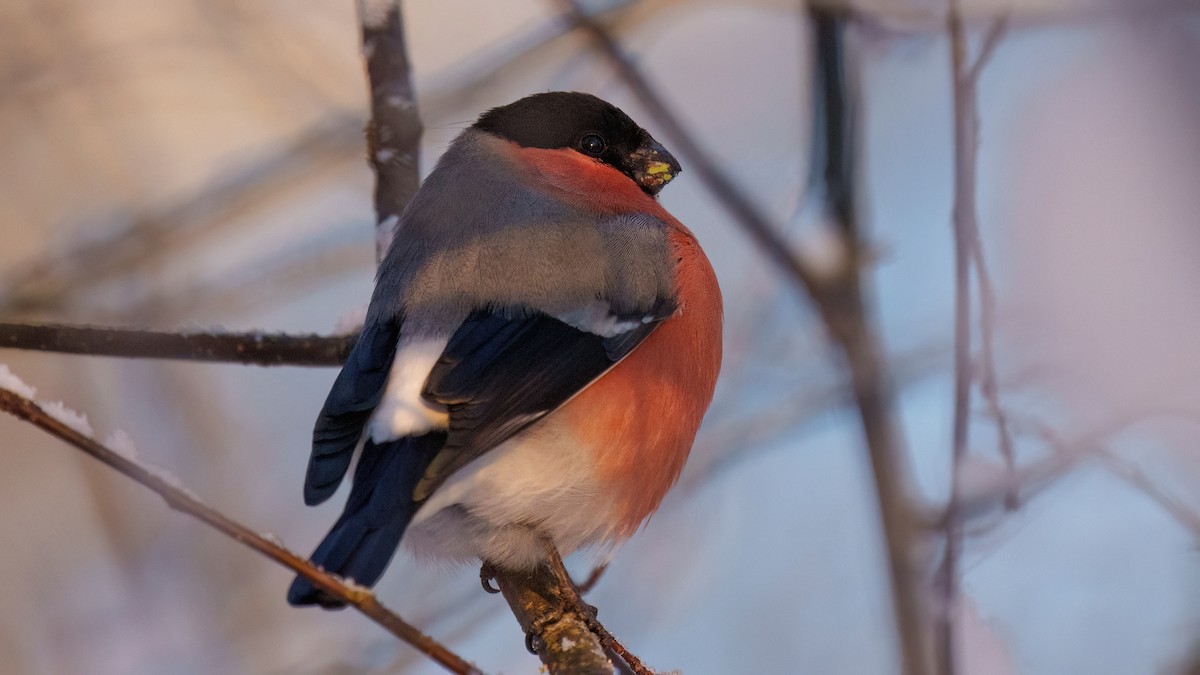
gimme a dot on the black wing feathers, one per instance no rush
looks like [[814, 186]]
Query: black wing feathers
[[499, 374], [355, 393]]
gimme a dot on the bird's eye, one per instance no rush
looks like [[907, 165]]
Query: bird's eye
[[592, 144]]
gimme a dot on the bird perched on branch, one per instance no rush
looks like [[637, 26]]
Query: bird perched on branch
[[542, 343]]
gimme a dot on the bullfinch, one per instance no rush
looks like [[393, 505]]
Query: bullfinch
[[542, 343]]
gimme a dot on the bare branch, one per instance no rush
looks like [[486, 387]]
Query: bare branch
[[1037, 476], [1133, 475], [989, 383], [987, 48], [759, 427], [394, 133], [252, 348], [557, 632], [964, 229], [180, 499], [914, 18], [968, 249], [593, 578], [844, 307]]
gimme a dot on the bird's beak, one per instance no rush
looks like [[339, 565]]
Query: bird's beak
[[653, 166]]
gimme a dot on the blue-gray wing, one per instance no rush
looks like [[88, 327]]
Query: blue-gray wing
[[355, 393]]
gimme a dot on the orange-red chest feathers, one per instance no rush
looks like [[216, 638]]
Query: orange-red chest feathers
[[640, 419]]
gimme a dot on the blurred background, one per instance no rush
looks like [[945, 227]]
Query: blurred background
[[177, 164]]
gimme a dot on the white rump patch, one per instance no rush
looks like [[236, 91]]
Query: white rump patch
[[403, 411]]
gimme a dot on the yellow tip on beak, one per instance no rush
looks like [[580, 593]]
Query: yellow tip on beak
[[655, 168]]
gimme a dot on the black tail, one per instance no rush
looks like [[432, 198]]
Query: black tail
[[364, 539]]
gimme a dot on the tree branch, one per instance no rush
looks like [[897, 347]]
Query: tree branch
[[180, 499], [964, 168], [1036, 476], [845, 310], [607, 640], [394, 132], [929, 17], [989, 384], [253, 348], [1184, 514], [557, 632], [968, 248], [592, 579]]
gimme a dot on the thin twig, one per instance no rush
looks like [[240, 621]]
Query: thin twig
[[743, 435], [1132, 474], [180, 499], [844, 307], [592, 579], [252, 348], [987, 48], [963, 221], [913, 18], [1037, 476], [394, 133], [988, 381], [968, 250], [1092, 445]]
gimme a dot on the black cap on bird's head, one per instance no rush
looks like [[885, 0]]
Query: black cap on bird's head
[[586, 124]]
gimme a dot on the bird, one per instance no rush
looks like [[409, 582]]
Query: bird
[[541, 345]]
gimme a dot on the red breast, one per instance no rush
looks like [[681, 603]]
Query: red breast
[[641, 418]]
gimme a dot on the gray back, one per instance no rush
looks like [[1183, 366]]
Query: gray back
[[477, 234]]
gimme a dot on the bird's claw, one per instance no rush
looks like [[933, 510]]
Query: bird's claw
[[534, 643], [533, 639], [487, 574]]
